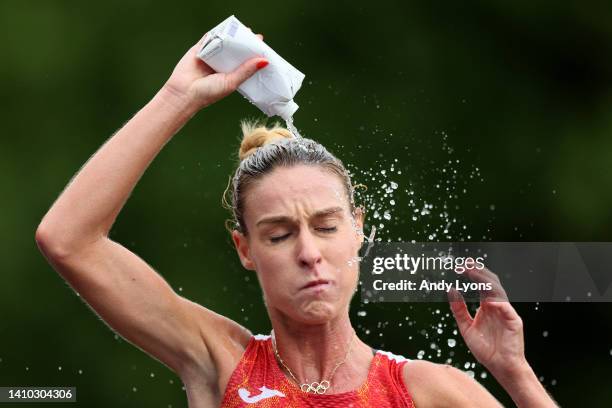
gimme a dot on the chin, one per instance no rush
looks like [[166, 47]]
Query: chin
[[316, 312]]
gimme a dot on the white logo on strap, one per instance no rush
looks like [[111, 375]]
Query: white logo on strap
[[265, 393]]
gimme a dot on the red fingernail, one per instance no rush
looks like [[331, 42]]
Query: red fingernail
[[262, 64]]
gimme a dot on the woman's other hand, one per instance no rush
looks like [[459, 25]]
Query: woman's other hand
[[495, 334], [495, 337], [198, 85]]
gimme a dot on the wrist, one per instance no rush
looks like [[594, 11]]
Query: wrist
[[511, 370], [521, 383], [181, 103]]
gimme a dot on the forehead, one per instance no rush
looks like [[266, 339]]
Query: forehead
[[299, 188]]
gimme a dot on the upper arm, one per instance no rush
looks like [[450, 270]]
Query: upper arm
[[139, 304], [441, 385]]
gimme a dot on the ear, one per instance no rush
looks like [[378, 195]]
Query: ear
[[242, 247], [359, 216]]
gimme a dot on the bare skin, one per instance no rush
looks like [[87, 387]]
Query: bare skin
[[312, 325]]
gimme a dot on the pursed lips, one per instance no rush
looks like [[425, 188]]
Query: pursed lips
[[315, 283]]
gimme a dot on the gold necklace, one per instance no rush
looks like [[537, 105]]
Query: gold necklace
[[316, 387]]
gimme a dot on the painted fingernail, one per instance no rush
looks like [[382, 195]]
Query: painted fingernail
[[262, 64]]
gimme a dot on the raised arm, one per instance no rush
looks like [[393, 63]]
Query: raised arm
[[126, 292]]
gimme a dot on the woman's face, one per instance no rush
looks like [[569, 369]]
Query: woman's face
[[303, 242]]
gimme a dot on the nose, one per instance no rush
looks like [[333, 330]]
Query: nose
[[309, 254]]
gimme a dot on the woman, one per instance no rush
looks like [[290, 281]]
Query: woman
[[297, 227]]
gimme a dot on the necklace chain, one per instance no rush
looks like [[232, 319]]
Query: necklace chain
[[315, 387]]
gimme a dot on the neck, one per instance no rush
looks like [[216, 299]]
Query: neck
[[312, 352]]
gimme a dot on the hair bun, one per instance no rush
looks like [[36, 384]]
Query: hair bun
[[255, 135]]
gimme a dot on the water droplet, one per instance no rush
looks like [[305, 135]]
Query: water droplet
[[545, 333], [361, 313], [134, 389], [420, 354], [452, 342]]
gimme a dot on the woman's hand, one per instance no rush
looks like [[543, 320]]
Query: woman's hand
[[495, 337], [495, 334], [198, 85]]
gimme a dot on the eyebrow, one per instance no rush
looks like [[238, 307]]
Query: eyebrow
[[283, 218]]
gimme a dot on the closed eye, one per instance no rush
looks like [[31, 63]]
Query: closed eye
[[327, 230], [278, 239]]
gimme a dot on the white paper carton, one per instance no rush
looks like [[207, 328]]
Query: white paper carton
[[272, 88]]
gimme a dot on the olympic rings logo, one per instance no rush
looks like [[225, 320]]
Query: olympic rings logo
[[316, 387]]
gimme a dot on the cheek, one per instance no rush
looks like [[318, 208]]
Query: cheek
[[272, 268], [344, 262]]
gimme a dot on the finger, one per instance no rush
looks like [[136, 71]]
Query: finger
[[245, 71], [258, 35], [482, 272], [460, 311], [201, 41], [508, 312], [484, 275]]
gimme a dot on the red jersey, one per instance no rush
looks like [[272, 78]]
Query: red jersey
[[258, 381]]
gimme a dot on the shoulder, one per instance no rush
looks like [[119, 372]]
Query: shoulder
[[441, 385]]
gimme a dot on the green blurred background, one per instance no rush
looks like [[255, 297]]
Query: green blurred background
[[508, 104]]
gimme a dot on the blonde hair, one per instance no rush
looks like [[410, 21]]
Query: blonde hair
[[263, 149], [257, 134]]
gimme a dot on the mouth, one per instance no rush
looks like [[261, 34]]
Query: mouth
[[319, 283]]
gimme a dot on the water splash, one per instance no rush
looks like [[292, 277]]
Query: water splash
[[291, 127], [424, 201], [424, 211]]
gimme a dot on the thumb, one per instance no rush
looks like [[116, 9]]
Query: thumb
[[460, 311], [245, 71]]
